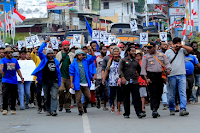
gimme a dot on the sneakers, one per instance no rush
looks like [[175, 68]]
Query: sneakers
[[183, 112], [68, 111], [84, 109], [26, 106], [93, 104], [165, 108], [126, 116], [140, 115], [105, 109], [154, 114], [4, 112], [21, 108], [39, 110], [172, 112], [80, 113], [32, 105], [13, 112], [54, 113]]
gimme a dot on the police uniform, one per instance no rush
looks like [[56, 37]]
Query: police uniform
[[153, 69]]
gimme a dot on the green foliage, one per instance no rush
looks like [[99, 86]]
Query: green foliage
[[196, 38], [18, 37], [139, 7]]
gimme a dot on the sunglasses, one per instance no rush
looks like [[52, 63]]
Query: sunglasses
[[146, 50], [9, 52]]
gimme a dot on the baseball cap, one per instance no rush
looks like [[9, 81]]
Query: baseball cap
[[150, 45], [15, 54]]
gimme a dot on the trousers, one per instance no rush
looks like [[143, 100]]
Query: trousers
[[86, 92], [64, 94], [9, 90], [136, 100], [155, 88]]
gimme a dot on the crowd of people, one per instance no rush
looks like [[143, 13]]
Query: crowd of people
[[99, 74]]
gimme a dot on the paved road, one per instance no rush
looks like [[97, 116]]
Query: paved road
[[99, 121]]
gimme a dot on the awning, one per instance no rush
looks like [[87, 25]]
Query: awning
[[107, 21], [52, 34], [23, 26]]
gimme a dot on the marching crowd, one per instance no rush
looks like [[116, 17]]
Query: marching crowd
[[96, 74]]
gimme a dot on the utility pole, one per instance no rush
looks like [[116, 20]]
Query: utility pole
[[199, 16], [146, 10], [122, 11]]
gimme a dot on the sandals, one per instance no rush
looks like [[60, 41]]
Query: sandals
[[112, 109], [118, 113]]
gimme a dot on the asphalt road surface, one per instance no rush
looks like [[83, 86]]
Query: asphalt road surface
[[99, 121]]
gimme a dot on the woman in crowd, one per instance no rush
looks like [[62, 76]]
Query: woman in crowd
[[142, 83], [24, 87], [112, 71]]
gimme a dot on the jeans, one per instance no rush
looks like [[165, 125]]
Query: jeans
[[174, 83], [50, 96], [194, 96], [108, 88], [24, 88], [82, 98], [164, 95]]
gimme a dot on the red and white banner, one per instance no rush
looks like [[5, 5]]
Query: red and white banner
[[158, 8], [18, 16]]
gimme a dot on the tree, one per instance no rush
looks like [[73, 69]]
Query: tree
[[139, 7]]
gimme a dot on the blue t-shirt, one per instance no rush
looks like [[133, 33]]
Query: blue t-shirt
[[9, 71], [190, 62]]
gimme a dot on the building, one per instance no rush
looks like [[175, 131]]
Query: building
[[123, 11], [6, 5]]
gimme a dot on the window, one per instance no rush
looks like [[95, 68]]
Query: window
[[127, 8], [1, 7], [106, 5]]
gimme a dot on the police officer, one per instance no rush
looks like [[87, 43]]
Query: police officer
[[151, 69]]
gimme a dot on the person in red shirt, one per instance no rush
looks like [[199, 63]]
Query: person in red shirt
[[142, 83]]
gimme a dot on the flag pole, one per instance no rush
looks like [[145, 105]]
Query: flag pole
[[11, 23], [3, 32], [5, 25]]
